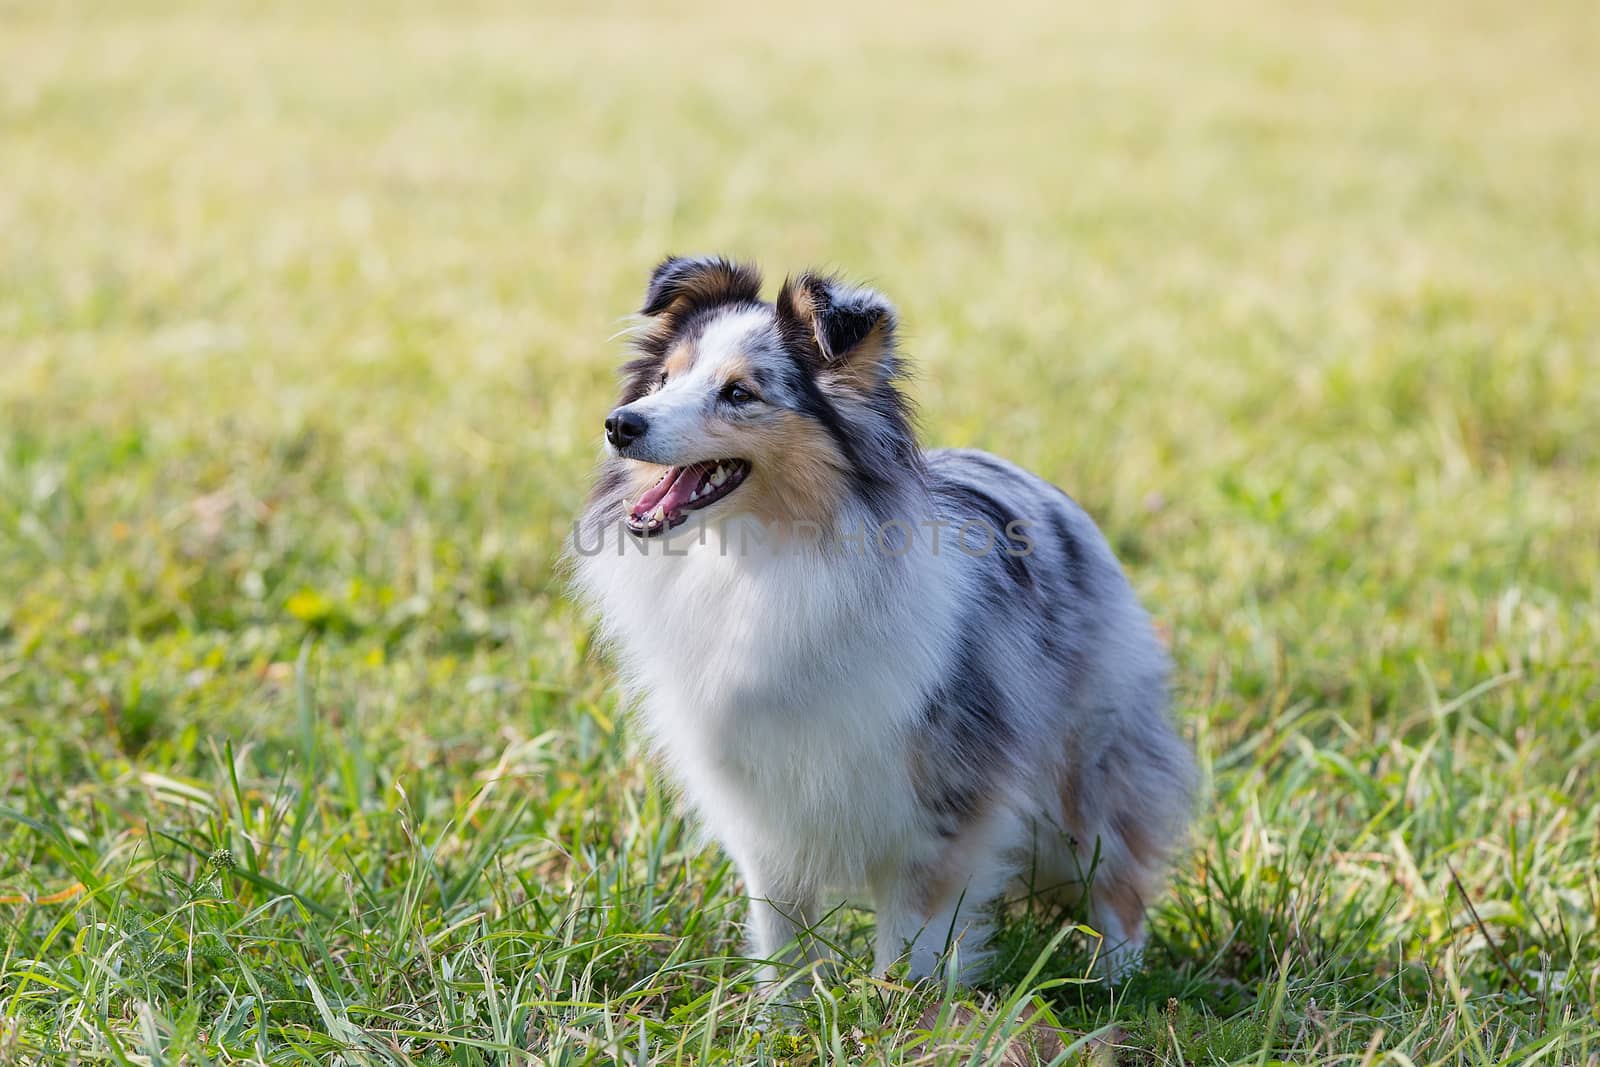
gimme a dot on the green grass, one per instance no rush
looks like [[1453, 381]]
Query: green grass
[[304, 320]]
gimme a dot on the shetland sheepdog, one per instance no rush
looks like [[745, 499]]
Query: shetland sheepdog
[[866, 666]]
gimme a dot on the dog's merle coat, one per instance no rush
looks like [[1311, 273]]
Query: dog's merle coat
[[975, 699]]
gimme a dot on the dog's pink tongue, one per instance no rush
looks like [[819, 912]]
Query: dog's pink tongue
[[652, 496], [682, 488], [671, 492]]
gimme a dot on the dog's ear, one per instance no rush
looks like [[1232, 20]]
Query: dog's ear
[[682, 284], [841, 327]]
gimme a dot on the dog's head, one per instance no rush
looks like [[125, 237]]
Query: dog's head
[[734, 405]]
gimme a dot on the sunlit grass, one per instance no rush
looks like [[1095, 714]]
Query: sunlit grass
[[303, 348]]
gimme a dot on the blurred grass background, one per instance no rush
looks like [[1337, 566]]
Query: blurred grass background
[[307, 320]]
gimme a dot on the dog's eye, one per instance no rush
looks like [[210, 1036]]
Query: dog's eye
[[736, 393]]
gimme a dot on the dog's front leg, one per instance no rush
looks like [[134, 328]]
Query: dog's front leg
[[936, 914], [928, 933], [782, 915]]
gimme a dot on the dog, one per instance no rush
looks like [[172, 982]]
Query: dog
[[923, 674]]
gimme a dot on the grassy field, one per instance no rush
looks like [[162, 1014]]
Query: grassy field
[[307, 318]]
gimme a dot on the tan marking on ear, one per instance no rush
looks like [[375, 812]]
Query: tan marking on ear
[[864, 367], [709, 281], [712, 285], [800, 300]]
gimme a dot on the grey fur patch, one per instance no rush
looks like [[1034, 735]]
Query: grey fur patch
[[966, 742]]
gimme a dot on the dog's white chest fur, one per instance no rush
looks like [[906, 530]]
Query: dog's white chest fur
[[779, 693]]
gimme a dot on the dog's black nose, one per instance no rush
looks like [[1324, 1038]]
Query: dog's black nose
[[624, 426]]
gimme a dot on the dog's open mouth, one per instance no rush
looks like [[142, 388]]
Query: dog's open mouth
[[682, 490]]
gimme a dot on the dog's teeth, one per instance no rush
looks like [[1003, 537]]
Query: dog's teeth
[[719, 475]]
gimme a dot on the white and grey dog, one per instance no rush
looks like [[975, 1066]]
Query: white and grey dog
[[922, 674]]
